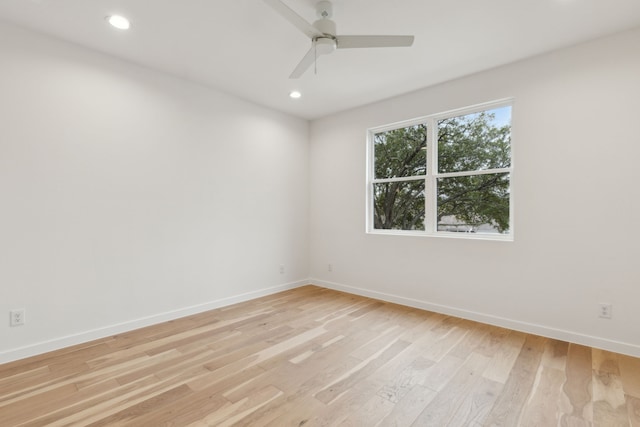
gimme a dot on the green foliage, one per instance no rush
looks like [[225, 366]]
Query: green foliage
[[475, 200], [400, 153], [465, 144], [399, 205], [472, 143]]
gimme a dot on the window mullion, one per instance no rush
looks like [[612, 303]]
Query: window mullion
[[473, 173], [397, 179], [430, 184]]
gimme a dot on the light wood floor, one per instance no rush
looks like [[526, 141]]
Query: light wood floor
[[317, 357]]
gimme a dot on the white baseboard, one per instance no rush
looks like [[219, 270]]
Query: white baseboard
[[70, 340], [83, 337], [559, 334]]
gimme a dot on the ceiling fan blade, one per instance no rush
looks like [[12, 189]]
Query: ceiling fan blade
[[290, 15], [304, 64], [348, 42]]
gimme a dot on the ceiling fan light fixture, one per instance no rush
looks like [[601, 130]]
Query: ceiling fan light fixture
[[119, 22], [295, 94], [325, 45]]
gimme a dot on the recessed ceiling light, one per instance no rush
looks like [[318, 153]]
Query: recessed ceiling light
[[120, 22], [295, 94]]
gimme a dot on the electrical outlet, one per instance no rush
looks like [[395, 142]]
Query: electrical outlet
[[329, 267], [16, 317], [281, 269], [605, 310]]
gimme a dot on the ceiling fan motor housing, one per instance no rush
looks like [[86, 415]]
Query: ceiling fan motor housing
[[326, 43], [326, 26]]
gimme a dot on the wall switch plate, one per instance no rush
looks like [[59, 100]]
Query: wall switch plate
[[16, 317], [605, 310]]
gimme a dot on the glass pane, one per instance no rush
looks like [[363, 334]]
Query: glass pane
[[399, 205], [474, 204], [401, 152], [473, 142]]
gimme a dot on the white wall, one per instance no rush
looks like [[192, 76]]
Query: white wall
[[577, 204], [129, 197]]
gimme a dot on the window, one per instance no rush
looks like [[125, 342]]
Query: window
[[447, 174]]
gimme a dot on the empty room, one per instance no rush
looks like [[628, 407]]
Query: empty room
[[314, 213]]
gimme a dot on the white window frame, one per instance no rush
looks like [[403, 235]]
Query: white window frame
[[432, 175]]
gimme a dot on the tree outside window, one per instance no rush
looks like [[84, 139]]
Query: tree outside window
[[459, 184]]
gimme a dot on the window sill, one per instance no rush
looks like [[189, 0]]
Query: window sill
[[445, 235]]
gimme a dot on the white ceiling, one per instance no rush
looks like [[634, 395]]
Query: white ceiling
[[243, 47]]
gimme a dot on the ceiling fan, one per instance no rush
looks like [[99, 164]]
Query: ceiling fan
[[323, 34]]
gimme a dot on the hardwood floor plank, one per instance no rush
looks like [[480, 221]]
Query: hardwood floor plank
[[56, 358], [609, 400], [504, 351], [477, 403], [74, 402], [497, 338], [414, 374], [319, 347], [370, 414], [555, 355], [443, 408], [629, 368], [362, 370], [633, 410], [135, 411], [19, 411], [422, 326], [241, 410], [409, 407], [318, 357], [25, 379], [372, 347], [96, 406], [295, 411], [170, 360], [475, 334], [440, 373], [507, 409], [578, 388], [184, 411], [543, 407], [115, 404], [366, 309], [376, 381]]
